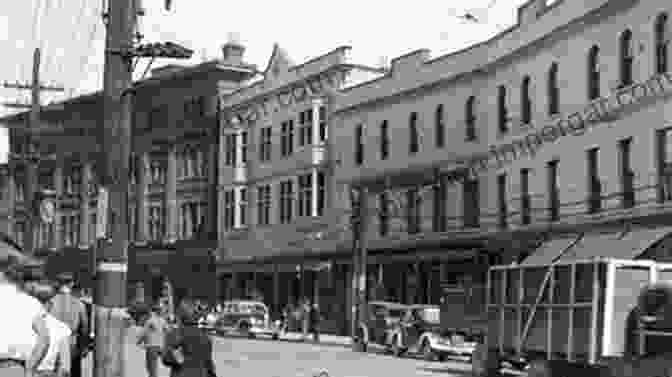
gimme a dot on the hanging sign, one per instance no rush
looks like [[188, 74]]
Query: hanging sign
[[326, 84]]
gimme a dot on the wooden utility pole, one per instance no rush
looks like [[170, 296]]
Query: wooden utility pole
[[360, 259], [30, 155], [115, 143]]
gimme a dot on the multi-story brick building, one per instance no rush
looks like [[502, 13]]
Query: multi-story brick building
[[570, 144], [276, 185], [173, 214]]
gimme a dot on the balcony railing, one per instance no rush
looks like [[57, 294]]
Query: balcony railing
[[529, 215]]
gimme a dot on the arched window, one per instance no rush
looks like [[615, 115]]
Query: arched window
[[502, 110], [470, 118], [439, 127], [593, 73], [626, 57], [413, 136], [553, 90], [525, 101], [661, 43]]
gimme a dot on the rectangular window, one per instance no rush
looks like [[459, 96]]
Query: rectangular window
[[156, 221], [264, 205], [383, 214], [525, 200], [553, 191], [413, 219], [384, 141], [627, 175], [502, 201], [664, 138], [471, 204], [321, 193], [414, 134], [306, 127], [287, 138], [323, 126], [157, 170], [440, 128], [594, 184], [439, 220], [243, 147], [305, 202], [265, 144], [286, 201], [229, 209], [503, 115], [230, 152], [359, 144], [242, 206]]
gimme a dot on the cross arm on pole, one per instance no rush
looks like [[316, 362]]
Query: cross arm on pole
[[30, 87]]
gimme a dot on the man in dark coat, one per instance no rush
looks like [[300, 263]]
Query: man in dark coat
[[70, 310]]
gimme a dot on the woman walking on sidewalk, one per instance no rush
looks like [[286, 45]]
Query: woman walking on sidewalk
[[315, 318], [188, 350]]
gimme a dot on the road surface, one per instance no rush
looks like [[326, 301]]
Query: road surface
[[265, 358]]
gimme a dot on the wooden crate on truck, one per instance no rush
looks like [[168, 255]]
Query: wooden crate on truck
[[574, 314]]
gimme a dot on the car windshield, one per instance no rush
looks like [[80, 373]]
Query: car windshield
[[396, 313], [252, 308]]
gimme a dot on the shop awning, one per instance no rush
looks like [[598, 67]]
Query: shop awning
[[550, 250], [618, 245]]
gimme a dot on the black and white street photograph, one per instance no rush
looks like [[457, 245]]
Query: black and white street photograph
[[461, 188]]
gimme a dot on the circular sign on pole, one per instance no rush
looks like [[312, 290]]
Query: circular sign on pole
[[47, 210]]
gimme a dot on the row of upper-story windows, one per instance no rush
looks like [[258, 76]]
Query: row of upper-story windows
[[300, 197], [412, 216], [625, 61], [293, 132], [158, 117]]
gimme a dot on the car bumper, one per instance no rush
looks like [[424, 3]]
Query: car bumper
[[463, 350]]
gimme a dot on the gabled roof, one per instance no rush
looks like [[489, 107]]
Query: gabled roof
[[278, 63]]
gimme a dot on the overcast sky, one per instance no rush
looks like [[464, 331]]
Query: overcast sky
[[71, 33]]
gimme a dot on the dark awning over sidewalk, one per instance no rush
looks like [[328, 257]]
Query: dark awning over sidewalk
[[630, 244]]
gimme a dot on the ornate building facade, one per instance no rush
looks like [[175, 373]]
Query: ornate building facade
[[276, 186], [509, 149], [172, 200]]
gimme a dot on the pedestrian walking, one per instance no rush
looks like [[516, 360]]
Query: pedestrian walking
[[305, 317], [24, 339], [315, 318], [152, 338], [71, 310], [188, 349], [56, 362]]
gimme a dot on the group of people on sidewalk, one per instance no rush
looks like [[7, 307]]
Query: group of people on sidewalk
[[44, 327], [304, 317]]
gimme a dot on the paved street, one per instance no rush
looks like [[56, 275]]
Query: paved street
[[265, 358]]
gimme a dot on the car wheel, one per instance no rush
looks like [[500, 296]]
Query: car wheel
[[484, 362], [427, 352], [275, 336]]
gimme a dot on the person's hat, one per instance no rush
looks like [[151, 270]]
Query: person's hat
[[65, 278]]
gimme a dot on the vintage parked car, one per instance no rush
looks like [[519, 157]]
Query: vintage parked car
[[420, 332], [383, 317], [245, 317]]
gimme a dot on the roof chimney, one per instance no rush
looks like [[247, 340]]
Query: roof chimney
[[233, 50]]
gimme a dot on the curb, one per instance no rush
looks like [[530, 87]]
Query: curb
[[287, 340]]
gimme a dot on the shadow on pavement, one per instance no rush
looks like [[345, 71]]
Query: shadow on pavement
[[443, 369]]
